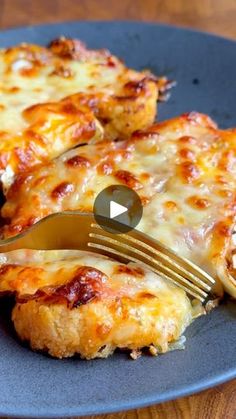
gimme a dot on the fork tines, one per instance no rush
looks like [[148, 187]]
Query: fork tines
[[137, 247]]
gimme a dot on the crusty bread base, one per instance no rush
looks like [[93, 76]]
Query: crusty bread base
[[96, 329]]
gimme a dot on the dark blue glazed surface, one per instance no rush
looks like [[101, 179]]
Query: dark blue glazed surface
[[35, 385]]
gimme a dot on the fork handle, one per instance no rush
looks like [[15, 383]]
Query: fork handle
[[57, 231]]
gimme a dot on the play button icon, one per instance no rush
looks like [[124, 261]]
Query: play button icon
[[117, 209]]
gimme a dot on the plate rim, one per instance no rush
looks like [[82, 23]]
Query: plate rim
[[123, 22], [138, 403]]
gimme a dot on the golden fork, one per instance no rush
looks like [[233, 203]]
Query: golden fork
[[75, 230]]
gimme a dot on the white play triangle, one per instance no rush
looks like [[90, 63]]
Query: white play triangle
[[116, 209]]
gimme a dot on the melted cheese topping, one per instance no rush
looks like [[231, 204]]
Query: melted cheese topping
[[27, 271], [183, 169], [95, 302], [122, 99]]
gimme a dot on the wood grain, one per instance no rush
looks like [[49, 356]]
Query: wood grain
[[210, 15], [217, 403], [216, 16]]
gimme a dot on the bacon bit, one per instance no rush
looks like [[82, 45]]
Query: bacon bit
[[221, 180], [187, 140], [78, 161], [14, 229], [70, 108], [20, 180], [136, 86], [147, 295], [128, 179], [62, 190], [227, 160], [223, 229], [189, 171], [198, 202], [111, 62], [105, 168], [74, 49], [145, 135], [105, 121], [67, 48], [62, 71], [171, 205], [24, 157], [5, 269], [135, 354], [129, 270], [31, 220], [3, 157], [86, 285], [186, 153]]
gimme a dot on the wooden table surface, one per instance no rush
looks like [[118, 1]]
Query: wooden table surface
[[218, 16]]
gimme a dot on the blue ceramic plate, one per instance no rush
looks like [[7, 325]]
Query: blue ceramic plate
[[37, 386]]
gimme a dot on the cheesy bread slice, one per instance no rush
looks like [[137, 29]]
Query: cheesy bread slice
[[183, 170], [36, 125], [71, 302]]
